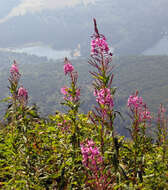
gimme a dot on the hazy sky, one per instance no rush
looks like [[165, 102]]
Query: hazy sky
[[32, 6]]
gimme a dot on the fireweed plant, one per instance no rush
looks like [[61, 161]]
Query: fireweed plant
[[18, 136], [72, 99], [73, 150], [104, 114], [141, 118]]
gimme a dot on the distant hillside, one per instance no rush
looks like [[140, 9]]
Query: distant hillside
[[148, 74], [43, 80]]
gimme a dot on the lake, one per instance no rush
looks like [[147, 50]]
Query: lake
[[44, 51]]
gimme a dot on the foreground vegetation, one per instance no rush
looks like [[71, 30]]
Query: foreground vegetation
[[74, 150]]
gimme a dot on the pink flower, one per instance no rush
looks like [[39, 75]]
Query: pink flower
[[22, 95], [14, 71], [99, 44], [22, 92], [64, 90], [138, 107], [104, 97], [90, 143], [68, 94], [90, 154], [14, 68], [135, 101], [68, 68], [146, 115]]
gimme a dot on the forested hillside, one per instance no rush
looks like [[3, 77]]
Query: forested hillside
[[44, 78]]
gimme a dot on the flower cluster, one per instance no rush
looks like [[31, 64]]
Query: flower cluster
[[145, 115], [68, 95], [14, 68], [139, 108], [68, 68], [134, 101], [22, 95], [104, 97], [90, 154], [14, 71], [99, 44]]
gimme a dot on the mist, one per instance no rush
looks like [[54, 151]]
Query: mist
[[132, 27]]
